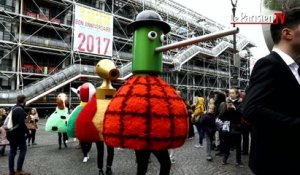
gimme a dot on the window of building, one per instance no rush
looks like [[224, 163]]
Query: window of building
[[5, 62], [1, 55], [88, 2], [56, 13], [2, 2], [44, 11], [31, 7], [4, 84], [9, 2], [1, 31]]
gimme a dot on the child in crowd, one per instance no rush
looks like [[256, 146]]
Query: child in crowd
[[208, 125]]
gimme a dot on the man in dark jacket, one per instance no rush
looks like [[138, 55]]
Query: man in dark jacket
[[17, 137], [275, 119]]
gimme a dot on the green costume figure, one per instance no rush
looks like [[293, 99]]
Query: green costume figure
[[72, 120], [57, 122]]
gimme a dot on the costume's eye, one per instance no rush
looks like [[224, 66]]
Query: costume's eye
[[163, 38], [152, 35]]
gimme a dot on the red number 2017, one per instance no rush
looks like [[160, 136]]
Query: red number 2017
[[89, 39], [81, 35]]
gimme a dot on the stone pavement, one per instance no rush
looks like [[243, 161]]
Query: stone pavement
[[46, 159]]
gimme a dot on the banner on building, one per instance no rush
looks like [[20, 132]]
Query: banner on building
[[93, 31]]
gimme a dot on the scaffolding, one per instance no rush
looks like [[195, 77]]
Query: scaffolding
[[36, 39]]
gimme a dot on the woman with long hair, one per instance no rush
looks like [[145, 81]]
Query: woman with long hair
[[32, 119]]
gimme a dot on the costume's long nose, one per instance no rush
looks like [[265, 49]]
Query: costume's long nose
[[198, 39]]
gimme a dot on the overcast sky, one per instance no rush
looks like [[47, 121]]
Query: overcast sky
[[221, 11]]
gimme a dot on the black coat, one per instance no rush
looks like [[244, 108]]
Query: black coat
[[234, 117], [275, 144], [208, 123]]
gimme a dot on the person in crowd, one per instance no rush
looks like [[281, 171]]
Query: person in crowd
[[208, 125], [3, 139], [2, 114], [232, 127], [211, 101], [191, 133], [234, 96], [211, 105], [198, 112], [32, 126], [275, 120], [17, 137], [220, 106]]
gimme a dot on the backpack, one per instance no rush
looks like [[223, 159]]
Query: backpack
[[8, 123]]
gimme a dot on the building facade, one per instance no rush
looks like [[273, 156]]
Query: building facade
[[38, 56]]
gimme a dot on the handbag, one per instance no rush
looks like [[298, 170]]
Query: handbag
[[226, 126], [8, 123], [219, 124], [30, 125]]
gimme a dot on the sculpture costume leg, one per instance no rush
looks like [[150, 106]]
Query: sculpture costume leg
[[100, 155], [85, 147], [142, 157], [59, 140], [64, 137]]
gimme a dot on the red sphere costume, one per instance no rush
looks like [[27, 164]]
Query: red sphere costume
[[146, 114]]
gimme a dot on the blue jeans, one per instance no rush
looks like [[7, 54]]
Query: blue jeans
[[14, 145], [200, 133]]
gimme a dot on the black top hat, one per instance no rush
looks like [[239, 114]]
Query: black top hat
[[148, 17]]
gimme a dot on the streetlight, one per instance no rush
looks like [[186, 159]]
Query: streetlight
[[234, 3], [235, 75]]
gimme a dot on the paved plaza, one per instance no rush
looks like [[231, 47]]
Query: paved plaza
[[46, 159]]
